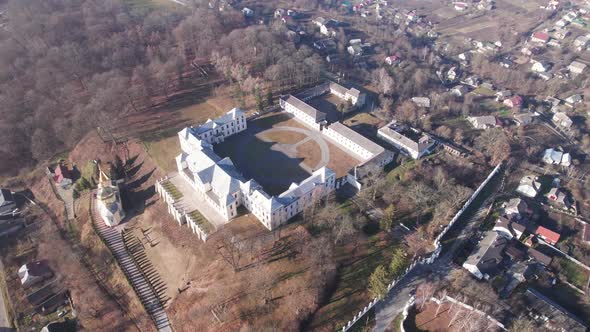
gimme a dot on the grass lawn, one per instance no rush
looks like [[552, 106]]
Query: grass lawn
[[163, 152], [484, 92], [162, 145], [364, 118], [574, 274]]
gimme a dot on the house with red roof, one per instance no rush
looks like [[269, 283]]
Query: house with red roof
[[392, 60], [540, 37], [62, 175], [547, 235], [514, 102]]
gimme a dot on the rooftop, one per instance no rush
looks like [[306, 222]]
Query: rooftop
[[356, 137], [305, 108]]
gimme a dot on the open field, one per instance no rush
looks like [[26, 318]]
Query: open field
[[162, 143]]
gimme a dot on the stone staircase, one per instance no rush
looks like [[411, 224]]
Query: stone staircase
[[144, 290]]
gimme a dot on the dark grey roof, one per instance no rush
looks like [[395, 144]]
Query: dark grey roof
[[305, 108], [488, 255], [359, 139], [6, 197]]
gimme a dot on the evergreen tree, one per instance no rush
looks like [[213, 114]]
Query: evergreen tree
[[378, 282], [259, 101], [399, 262], [388, 217], [269, 97]]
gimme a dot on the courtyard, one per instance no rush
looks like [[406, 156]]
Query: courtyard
[[276, 150]]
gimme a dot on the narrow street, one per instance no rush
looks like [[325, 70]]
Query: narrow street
[[393, 304]]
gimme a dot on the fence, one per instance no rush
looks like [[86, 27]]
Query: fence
[[431, 258]]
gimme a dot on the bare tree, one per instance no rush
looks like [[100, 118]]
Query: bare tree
[[424, 292], [230, 249]]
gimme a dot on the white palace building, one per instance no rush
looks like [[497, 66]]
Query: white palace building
[[207, 190]]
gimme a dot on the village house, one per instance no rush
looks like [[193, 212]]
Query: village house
[[556, 157], [62, 176], [514, 101], [540, 66], [473, 81], [516, 208], [409, 141], [539, 257], [574, 99], [560, 33], [562, 120], [540, 37], [547, 235], [484, 261], [355, 50], [558, 197], [392, 60], [529, 186], [582, 41], [508, 229], [483, 122], [459, 90], [421, 101], [7, 202], [576, 67], [34, 272], [247, 12], [523, 119]]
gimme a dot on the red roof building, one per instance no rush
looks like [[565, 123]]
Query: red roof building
[[514, 102], [540, 37], [61, 173], [548, 235]]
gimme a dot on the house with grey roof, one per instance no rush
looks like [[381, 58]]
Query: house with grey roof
[[7, 202], [483, 122], [408, 140], [485, 260]]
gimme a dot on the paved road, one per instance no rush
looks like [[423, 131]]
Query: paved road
[[393, 304], [5, 323]]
